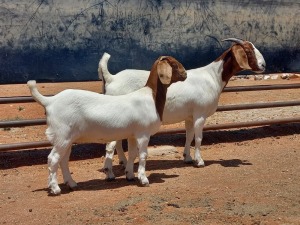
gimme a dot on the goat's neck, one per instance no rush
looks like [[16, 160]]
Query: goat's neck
[[159, 92], [228, 66]]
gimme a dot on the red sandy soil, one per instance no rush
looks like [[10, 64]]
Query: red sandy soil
[[251, 174]]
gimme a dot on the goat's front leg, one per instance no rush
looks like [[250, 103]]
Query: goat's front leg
[[120, 152], [198, 126], [143, 153], [189, 130], [64, 165], [109, 154], [132, 153]]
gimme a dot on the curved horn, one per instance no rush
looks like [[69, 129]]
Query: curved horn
[[163, 57], [236, 40]]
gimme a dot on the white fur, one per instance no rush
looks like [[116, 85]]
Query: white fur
[[191, 101], [84, 117]]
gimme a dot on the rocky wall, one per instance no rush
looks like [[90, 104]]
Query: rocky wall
[[55, 40]]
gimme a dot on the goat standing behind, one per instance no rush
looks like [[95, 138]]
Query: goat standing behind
[[191, 101], [84, 117]]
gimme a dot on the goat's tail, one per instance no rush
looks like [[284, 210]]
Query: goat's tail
[[103, 72], [44, 101]]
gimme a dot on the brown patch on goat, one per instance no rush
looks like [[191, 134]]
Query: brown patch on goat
[[252, 60], [100, 71], [159, 90]]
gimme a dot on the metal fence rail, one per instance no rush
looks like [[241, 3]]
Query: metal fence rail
[[39, 144], [28, 99], [35, 122]]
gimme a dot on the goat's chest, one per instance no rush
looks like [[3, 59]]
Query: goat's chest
[[197, 97]]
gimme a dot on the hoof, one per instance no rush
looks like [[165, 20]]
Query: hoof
[[130, 179], [145, 184], [200, 164], [187, 159], [188, 162], [144, 181], [71, 184], [55, 192], [110, 179]]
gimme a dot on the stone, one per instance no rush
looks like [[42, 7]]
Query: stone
[[294, 76]]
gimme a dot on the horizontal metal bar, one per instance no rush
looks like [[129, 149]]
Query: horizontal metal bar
[[20, 99], [257, 105], [261, 87], [235, 125], [26, 99], [22, 123], [10, 100], [40, 144], [24, 145], [35, 122]]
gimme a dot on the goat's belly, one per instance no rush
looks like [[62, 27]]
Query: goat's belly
[[107, 135], [103, 136], [170, 117]]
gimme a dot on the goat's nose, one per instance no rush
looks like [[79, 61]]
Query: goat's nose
[[262, 67]]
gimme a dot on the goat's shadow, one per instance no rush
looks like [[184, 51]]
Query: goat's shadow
[[101, 184], [154, 177]]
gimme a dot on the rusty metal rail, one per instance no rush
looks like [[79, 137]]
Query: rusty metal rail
[[42, 144], [39, 144], [261, 87], [28, 99], [35, 122]]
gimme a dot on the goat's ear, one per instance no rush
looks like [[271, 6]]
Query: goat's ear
[[241, 57], [164, 71]]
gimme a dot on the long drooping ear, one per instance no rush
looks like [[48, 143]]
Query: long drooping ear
[[241, 57], [164, 71]]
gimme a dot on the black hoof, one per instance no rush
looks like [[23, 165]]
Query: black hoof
[[110, 179], [188, 162], [130, 179]]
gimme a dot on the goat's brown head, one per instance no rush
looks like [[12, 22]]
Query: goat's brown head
[[247, 56], [169, 70]]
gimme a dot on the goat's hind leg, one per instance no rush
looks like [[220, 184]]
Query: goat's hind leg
[[132, 154], [143, 153], [53, 162], [189, 129], [107, 168], [120, 152], [64, 165], [198, 126]]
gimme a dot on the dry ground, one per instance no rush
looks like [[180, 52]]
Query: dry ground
[[251, 175]]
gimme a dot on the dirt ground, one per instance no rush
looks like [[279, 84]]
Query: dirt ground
[[251, 174]]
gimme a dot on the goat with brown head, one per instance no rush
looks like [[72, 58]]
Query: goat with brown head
[[241, 56]]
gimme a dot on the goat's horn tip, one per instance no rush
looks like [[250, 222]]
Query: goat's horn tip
[[163, 57], [237, 40]]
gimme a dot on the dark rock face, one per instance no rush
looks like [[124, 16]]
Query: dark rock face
[[51, 40]]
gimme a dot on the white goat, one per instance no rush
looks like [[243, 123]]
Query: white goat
[[84, 117], [191, 101]]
